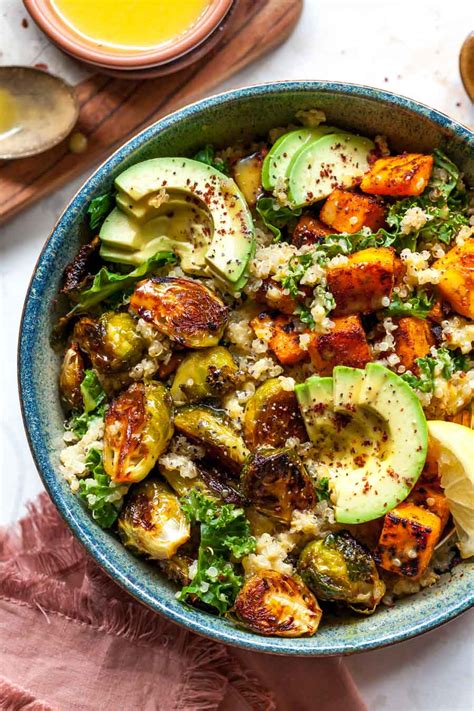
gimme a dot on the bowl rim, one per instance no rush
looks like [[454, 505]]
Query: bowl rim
[[202, 625], [69, 40]]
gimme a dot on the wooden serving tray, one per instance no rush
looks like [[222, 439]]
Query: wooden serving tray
[[114, 109]]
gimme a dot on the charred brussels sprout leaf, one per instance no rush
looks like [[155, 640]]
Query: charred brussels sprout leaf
[[209, 428], [272, 416], [224, 537], [278, 605], [99, 208], [111, 342], [341, 569], [92, 392], [210, 481], [183, 309], [276, 482], [101, 495], [71, 376], [203, 375], [106, 284], [138, 427], [152, 522]]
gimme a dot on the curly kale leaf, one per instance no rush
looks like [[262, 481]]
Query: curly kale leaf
[[207, 155], [419, 305], [443, 362], [224, 538], [99, 208], [107, 284], [92, 391], [276, 217], [102, 496]]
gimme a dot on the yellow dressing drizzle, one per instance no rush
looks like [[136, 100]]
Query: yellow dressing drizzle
[[8, 112]]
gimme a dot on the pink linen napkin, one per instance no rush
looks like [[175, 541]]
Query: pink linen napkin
[[72, 640]]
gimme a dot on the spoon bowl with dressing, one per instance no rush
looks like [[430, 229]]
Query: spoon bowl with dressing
[[37, 111]]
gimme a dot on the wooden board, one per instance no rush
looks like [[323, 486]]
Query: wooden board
[[114, 109]]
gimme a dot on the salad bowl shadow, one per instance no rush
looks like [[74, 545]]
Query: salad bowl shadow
[[223, 120]]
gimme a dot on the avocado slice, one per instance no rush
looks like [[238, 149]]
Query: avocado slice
[[280, 154], [231, 242], [336, 160], [370, 434]]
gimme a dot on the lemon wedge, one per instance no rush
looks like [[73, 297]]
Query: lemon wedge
[[453, 446]]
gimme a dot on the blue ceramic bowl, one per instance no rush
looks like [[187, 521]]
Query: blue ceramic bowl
[[222, 120]]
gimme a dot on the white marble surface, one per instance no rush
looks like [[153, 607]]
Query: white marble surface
[[408, 46]]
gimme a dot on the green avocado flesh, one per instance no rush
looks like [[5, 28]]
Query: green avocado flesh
[[335, 160], [370, 432], [278, 158], [203, 218]]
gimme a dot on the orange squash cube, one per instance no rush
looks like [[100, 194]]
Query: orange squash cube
[[279, 332], [407, 541], [413, 339], [349, 212], [345, 344], [399, 176], [457, 278], [360, 283], [431, 497], [309, 230]]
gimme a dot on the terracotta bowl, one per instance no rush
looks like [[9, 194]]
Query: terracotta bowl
[[85, 50]]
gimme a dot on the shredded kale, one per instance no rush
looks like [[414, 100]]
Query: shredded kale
[[419, 305], [207, 155], [275, 217], [101, 495], [322, 489], [79, 422], [99, 208], [444, 362], [297, 268], [336, 244], [224, 538], [107, 284], [92, 391]]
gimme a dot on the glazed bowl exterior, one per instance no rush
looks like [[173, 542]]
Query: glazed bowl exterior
[[84, 49], [222, 120]]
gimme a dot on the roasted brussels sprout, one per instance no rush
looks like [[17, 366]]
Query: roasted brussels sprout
[[152, 522], [341, 569], [202, 375], [276, 482], [71, 376], [209, 428], [138, 427], [210, 481], [272, 415], [176, 568], [183, 309], [278, 605], [112, 342]]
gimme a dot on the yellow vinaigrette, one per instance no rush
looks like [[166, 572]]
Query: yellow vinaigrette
[[8, 111], [130, 24]]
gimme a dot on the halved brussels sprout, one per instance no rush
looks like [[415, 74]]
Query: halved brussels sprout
[[71, 376], [272, 415], [341, 569], [138, 427], [210, 481], [276, 482], [209, 428], [151, 522], [277, 605], [204, 374], [112, 342], [176, 568], [183, 309]]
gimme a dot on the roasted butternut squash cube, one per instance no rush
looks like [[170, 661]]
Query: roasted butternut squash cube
[[345, 211], [407, 541], [309, 230], [399, 176], [413, 339], [360, 283], [430, 496], [273, 295], [279, 332], [457, 278], [464, 417], [345, 344]]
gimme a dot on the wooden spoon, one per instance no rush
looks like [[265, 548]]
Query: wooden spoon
[[37, 111], [466, 65]]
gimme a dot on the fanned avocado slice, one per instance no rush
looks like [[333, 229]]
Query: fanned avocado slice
[[370, 432]]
